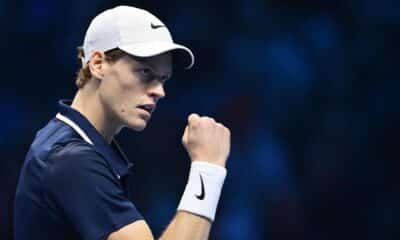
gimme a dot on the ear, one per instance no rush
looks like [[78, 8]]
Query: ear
[[96, 63]]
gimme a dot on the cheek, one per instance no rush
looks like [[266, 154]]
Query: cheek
[[123, 92], [112, 96], [127, 100], [116, 88]]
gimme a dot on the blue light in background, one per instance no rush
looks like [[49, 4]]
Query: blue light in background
[[239, 224], [322, 32], [289, 64], [41, 16], [10, 121]]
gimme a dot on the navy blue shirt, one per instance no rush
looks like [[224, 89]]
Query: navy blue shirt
[[72, 184]]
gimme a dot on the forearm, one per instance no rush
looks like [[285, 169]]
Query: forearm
[[185, 226]]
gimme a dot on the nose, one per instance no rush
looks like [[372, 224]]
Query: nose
[[157, 91]]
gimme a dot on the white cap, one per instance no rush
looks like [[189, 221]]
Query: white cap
[[133, 30]]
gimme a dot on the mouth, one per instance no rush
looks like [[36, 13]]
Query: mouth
[[149, 108]]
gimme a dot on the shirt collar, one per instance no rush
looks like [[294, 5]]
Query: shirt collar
[[111, 152]]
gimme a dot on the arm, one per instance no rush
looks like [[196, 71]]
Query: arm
[[187, 226], [183, 226], [206, 142]]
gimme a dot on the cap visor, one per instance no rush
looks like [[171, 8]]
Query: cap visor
[[155, 48]]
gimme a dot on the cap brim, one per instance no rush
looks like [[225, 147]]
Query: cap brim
[[155, 48]]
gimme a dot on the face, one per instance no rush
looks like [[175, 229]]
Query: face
[[130, 89]]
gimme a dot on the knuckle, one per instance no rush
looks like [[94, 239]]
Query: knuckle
[[205, 121], [194, 122], [193, 118], [209, 119]]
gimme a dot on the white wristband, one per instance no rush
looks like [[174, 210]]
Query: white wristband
[[203, 189]]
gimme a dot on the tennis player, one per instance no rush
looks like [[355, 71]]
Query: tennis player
[[73, 181]]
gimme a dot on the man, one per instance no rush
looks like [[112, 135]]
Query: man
[[72, 184]]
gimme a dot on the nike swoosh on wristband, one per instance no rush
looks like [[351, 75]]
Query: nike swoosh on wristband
[[154, 26], [203, 193]]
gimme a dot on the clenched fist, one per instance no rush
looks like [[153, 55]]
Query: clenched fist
[[207, 140]]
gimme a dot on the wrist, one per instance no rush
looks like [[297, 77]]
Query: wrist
[[203, 190], [214, 167], [211, 161]]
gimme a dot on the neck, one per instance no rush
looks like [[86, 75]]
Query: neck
[[88, 103]]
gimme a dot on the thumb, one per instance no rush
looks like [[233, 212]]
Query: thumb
[[192, 117], [185, 135]]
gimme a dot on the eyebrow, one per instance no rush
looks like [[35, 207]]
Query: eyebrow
[[163, 78]]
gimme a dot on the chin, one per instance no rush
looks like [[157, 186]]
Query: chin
[[137, 126], [134, 122], [138, 129]]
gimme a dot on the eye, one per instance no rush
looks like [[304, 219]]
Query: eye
[[145, 71], [145, 74]]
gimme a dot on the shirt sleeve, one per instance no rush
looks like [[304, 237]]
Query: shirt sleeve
[[87, 193]]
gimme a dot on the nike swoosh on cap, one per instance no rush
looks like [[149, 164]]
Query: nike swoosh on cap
[[154, 26]]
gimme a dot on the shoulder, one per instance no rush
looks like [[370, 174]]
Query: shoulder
[[73, 150], [76, 162], [77, 173]]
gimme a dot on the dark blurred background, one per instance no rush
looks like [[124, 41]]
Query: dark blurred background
[[309, 89]]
